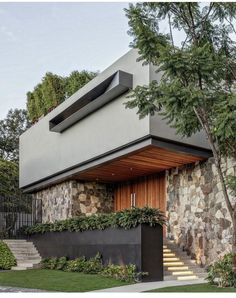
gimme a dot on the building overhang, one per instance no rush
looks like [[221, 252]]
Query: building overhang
[[143, 157]]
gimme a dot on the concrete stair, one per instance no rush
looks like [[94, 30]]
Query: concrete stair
[[26, 254], [179, 266]]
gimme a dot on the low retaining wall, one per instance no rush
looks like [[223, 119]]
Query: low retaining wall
[[141, 246]]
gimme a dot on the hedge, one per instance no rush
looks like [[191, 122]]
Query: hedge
[[126, 219]]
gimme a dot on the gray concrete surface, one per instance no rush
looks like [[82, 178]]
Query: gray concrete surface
[[147, 286]]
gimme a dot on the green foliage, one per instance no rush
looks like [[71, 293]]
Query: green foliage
[[231, 182], [125, 219], [223, 272], [53, 90], [197, 88], [76, 265], [126, 272], [7, 260], [61, 263], [8, 178], [15, 123], [93, 266], [77, 80]]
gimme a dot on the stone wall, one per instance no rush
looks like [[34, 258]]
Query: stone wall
[[198, 219], [73, 198]]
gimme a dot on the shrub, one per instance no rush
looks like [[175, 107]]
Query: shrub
[[126, 219], [222, 272], [94, 266], [126, 273], [7, 260], [61, 263], [76, 265]]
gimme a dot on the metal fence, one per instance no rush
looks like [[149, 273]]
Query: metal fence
[[16, 213]]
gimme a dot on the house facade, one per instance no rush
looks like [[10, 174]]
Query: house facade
[[92, 155]]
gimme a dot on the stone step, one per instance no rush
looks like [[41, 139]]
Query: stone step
[[169, 254], [179, 273], [26, 244], [16, 268], [172, 277], [33, 257], [26, 254], [27, 261], [177, 268], [15, 241], [27, 249], [171, 259], [25, 264], [190, 277], [166, 250], [170, 264]]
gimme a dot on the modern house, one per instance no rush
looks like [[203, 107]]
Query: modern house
[[91, 155]]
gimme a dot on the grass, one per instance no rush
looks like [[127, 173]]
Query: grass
[[53, 280], [193, 288]]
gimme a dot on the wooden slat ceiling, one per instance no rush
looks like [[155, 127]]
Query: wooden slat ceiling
[[145, 162]]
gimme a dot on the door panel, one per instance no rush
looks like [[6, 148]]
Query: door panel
[[149, 191]]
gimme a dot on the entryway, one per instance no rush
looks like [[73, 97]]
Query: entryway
[[144, 191]]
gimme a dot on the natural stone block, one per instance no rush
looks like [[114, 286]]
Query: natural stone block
[[200, 221]]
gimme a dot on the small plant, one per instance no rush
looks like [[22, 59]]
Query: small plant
[[61, 263], [7, 260], [126, 219], [126, 272], [222, 273], [93, 265], [76, 265]]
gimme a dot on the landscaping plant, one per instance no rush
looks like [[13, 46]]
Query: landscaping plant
[[94, 266], [222, 273], [126, 219], [7, 260]]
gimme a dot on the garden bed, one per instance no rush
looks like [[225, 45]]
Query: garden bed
[[141, 246]]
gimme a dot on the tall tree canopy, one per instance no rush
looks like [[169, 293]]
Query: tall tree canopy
[[11, 128], [197, 88], [53, 90], [9, 179]]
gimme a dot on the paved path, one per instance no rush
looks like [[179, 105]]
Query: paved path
[[147, 286], [18, 290]]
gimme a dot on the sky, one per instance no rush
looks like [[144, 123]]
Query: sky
[[58, 37]]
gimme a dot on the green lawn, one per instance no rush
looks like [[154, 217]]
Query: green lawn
[[53, 280], [194, 288]]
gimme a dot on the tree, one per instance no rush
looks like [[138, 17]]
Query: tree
[[53, 90], [9, 178], [197, 88], [11, 128], [77, 80]]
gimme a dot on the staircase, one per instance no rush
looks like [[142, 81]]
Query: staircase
[[179, 266], [26, 254]]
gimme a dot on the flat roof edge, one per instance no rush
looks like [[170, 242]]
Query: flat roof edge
[[139, 144]]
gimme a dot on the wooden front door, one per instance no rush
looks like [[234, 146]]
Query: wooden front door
[[146, 191]]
